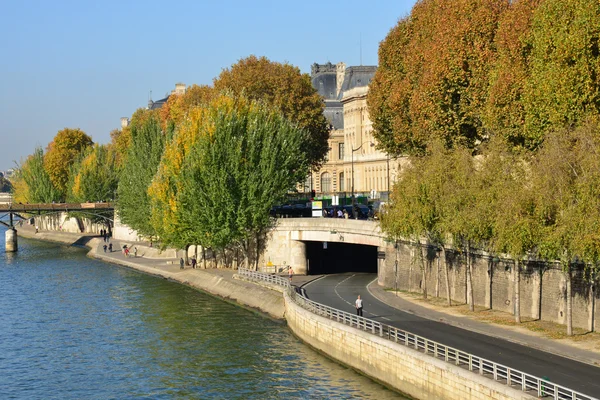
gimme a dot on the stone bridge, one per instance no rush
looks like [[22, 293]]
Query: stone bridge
[[297, 242]]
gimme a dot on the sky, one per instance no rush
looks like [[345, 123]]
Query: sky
[[84, 64]]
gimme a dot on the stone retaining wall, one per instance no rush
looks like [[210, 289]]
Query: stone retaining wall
[[409, 371]]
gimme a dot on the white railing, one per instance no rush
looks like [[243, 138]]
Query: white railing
[[498, 372], [259, 276]]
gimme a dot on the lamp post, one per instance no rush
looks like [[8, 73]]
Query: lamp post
[[352, 163]]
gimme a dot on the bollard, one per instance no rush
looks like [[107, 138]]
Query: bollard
[[11, 240]]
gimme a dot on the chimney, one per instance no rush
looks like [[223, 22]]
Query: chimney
[[340, 73], [179, 88]]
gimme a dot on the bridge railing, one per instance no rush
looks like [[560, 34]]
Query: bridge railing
[[498, 372]]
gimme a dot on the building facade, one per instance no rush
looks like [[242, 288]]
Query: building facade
[[353, 165]]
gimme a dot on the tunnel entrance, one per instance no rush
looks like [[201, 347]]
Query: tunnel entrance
[[334, 258]]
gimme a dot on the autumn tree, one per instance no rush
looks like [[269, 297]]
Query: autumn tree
[[177, 106], [504, 113], [32, 184], [284, 87], [434, 75], [145, 150], [67, 146]]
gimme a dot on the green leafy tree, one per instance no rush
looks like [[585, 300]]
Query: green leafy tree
[[145, 150], [284, 87], [516, 227], [223, 171], [563, 88], [62, 152], [416, 206], [94, 177], [32, 182]]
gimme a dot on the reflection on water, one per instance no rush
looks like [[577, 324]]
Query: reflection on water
[[73, 327]]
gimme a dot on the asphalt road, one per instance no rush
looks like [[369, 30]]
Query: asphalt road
[[340, 291]]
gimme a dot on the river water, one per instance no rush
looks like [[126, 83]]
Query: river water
[[77, 328]]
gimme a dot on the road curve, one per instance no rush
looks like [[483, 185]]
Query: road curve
[[340, 291]]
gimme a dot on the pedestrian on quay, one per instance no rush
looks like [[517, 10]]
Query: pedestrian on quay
[[110, 247], [104, 247], [181, 263], [193, 262], [359, 306], [135, 251], [290, 273]]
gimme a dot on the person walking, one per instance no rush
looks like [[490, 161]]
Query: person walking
[[290, 274], [193, 262], [181, 263], [104, 247], [359, 306], [110, 247], [135, 252]]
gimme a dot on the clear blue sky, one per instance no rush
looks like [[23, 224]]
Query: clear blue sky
[[86, 64]]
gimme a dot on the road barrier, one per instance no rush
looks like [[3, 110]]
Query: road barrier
[[498, 372]]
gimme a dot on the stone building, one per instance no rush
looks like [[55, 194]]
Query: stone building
[[352, 147]]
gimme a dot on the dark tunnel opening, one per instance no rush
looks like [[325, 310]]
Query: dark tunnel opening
[[332, 258]]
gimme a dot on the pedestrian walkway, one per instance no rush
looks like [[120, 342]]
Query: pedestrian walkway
[[513, 334]]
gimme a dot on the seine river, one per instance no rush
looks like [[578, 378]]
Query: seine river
[[76, 328]]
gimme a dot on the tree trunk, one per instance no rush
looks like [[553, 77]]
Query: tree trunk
[[569, 302], [517, 281], [257, 252], [446, 273], [470, 279], [437, 278], [424, 266], [592, 303]]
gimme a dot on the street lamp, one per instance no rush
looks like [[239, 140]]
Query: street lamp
[[352, 163]]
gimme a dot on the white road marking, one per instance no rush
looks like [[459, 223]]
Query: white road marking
[[314, 280], [336, 292]]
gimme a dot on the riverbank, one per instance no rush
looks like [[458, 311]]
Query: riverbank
[[217, 282]]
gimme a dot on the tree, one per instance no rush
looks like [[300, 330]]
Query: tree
[[434, 75], [61, 153], [5, 185], [516, 228], [94, 177], [416, 205], [466, 215], [32, 183], [563, 88], [505, 114], [177, 106], [285, 88], [227, 165], [143, 157]]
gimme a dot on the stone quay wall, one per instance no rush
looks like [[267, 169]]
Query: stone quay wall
[[542, 286], [409, 371]]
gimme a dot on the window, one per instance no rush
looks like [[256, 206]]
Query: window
[[342, 186], [326, 182], [308, 184], [341, 151]]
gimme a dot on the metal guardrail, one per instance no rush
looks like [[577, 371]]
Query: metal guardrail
[[259, 276], [498, 372]]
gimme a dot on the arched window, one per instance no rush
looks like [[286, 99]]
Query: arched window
[[326, 182], [342, 183]]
